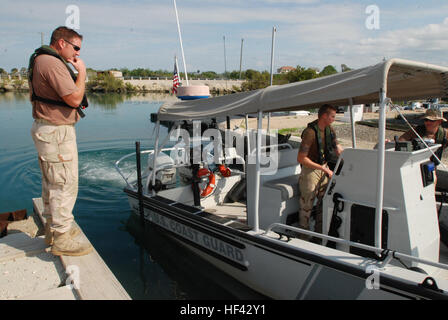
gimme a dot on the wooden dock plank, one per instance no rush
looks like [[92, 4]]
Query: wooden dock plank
[[28, 275], [96, 281]]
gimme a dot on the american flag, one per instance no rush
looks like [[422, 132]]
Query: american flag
[[175, 79]]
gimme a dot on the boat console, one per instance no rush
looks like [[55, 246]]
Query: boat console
[[409, 219]]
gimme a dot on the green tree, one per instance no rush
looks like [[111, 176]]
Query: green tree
[[256, 80], [251, 74], [344, 68], [328, 70], [235, 75], [209, 75], [106, 82], [301, 74]]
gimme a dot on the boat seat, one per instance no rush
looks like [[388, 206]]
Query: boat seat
[[288, 186]]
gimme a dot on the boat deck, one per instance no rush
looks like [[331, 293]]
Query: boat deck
[[234, 211], [29, 271]]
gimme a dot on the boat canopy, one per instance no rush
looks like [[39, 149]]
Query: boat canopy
[[401, 80]]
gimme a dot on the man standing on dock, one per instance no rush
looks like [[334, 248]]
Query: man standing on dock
[[318, 148], [57, 96]]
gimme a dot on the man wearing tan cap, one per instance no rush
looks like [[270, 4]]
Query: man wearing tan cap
[[431, 130]]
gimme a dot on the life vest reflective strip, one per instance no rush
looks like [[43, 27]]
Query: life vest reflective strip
[[203, 172], [323, 152]]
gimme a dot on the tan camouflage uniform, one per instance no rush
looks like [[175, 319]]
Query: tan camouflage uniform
[[58, 161], [312, 185]]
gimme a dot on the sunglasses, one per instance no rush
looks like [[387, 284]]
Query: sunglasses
[[428, 120], [74, 46]]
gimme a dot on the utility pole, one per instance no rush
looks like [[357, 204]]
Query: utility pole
[[41, 38], [274, 30], [241, 56]]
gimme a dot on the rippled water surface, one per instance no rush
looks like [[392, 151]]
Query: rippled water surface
[[149, 267]]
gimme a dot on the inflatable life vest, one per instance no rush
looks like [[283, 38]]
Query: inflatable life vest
[[440, 135], [50, 51], [325, 152], [440, 139], [225, 172], [211, 186]]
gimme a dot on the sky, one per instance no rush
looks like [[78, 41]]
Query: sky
[[310, 33]]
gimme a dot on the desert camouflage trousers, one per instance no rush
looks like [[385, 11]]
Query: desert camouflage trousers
[[312, 185], [58, 160]]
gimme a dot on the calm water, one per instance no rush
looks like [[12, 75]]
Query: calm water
[[149, 267]]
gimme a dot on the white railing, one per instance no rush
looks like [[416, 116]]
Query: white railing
[[389, 254], [130, 184]]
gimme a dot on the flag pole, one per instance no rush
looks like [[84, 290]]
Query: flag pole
[[175, 62], [274, 30], [180, 39]]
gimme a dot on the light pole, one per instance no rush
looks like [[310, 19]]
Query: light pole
[[225, 58], [241, 56]]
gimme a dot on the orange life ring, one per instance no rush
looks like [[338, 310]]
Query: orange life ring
[[225, 172], [203, 172]]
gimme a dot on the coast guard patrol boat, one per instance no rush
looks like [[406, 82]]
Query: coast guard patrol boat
[[380, 237]]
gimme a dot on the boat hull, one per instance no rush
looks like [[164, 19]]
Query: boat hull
[[270, 267]]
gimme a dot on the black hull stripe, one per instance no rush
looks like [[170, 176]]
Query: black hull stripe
[[276, 248], [197, 246], [169, 212]]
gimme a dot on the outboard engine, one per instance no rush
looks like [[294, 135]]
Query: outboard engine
[[166, 173]]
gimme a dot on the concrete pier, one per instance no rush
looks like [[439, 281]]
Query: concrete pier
[[29, 271]]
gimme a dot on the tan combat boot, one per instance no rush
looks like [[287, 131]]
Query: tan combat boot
[[49, 235], [65, 245]]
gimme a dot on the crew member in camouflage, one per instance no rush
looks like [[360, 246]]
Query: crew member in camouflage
[[318, 145]]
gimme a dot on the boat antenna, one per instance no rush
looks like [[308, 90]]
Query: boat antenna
[[175, 61], [180, 39]]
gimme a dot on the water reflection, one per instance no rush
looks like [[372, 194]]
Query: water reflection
[[110, 101], [14, 96], [106, 101]]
